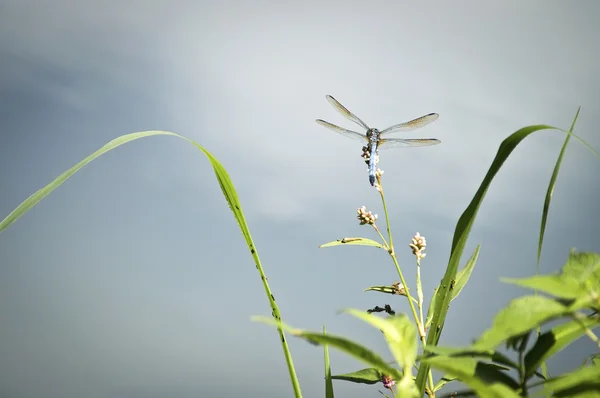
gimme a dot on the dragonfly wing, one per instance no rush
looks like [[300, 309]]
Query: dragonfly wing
[[342, 109], [413, 124], [403, 143], [348, 133]]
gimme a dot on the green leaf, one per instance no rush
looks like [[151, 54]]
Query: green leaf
[[400, 333], [328, 377], [443, 381], [407, 388], [552, 284], [582, 382], [521, 314], [471, 352], [226, 187], [363, 376], [485, 379], [550, 189], [345, 345], [431, 309], [353, 241], [461, 235], [462, 277], [387, 290], [384, 289], [578, 277], [555, 340]]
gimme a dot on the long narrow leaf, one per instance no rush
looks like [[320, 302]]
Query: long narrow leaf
[[228, 191], [550, 189], [461, 235]]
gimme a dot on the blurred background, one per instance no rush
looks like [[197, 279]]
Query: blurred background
[[133, 280]]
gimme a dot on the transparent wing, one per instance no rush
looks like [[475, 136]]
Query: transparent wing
[[345, 112], [413, 124], [348, 133], [401, 143]]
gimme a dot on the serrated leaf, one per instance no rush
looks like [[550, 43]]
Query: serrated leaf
[[486, 380], [521, 315], [345, 345], [363, 376], [581, 382], [354, 242], [400, 334], [555, 340]]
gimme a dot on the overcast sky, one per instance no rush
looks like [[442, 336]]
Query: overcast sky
[[133, 280]]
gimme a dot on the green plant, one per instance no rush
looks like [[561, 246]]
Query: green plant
[[480, 366]]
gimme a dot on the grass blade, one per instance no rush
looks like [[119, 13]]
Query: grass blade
[[550, 189], [546, 208], [226, 187]]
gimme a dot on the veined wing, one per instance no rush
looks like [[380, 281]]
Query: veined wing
[[348, 133], [413, 124], [406, 142], [345, 112]]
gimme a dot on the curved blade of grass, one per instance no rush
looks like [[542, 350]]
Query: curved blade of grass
[[546, 208], [45, 191], [461, 235], [226, 187]]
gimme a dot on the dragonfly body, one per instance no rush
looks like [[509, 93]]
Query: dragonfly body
[[372, 139], [373, 136]]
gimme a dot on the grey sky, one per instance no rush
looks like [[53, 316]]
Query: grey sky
[[132, 280]]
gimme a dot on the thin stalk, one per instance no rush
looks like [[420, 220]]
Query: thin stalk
[[392, 252]]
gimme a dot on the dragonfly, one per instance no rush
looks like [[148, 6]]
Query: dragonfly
[[373, 138]]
